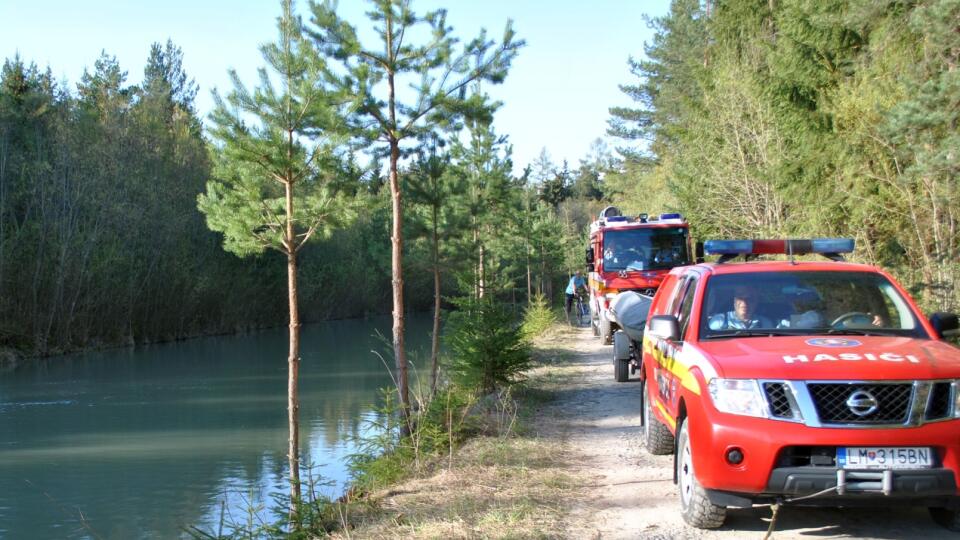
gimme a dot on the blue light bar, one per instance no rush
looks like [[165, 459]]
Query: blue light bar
[[671, 216], [728, 247], [832, 245], [614, 219], [829, 247]]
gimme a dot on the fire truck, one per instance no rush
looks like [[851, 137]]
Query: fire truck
[[630, 254]]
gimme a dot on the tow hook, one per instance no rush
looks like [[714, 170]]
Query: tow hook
[[860, 481]]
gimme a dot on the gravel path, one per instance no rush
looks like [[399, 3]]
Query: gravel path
[[631, 493]]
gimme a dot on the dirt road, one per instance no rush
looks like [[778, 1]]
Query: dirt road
[[631, 493]]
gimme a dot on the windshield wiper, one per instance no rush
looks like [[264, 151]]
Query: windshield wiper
[[750, 333], [859, 332]]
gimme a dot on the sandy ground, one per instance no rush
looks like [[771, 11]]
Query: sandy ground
[[631, 493]]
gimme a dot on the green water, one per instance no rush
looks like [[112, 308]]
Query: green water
[[143, 443]]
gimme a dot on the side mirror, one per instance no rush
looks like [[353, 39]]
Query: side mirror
[[946, 324], [589, 258], [698, 252], [664, 327]]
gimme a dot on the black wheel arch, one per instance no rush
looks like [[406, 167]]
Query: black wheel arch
[[681, 418]]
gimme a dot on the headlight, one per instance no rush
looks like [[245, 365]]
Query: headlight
[[738, 396], [956, 399]]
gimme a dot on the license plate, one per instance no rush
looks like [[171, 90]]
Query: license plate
[[873, 457]]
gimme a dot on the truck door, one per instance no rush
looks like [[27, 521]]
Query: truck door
[[667, 373]]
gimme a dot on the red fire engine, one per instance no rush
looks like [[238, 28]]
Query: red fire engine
[[630, 254]]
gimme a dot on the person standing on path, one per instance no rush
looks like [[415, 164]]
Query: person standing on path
[[577, 283]]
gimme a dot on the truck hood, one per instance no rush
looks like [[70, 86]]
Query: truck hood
[[832, 358]]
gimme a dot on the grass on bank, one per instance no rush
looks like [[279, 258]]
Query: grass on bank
[[499, 476]]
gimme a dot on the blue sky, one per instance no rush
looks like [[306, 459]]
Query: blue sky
[[556, 96]]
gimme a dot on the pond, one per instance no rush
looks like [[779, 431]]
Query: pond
[[143, 443]]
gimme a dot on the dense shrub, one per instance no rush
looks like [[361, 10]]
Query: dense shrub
[[537, 317], [486, 346]]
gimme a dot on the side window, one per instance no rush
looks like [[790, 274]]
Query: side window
[[686, 306], [678, 295], [663, 299]]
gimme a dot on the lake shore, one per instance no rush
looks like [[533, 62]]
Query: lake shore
[[519, 479]]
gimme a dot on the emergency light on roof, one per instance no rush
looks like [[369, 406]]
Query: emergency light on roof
[[828, 247], [671, 216]]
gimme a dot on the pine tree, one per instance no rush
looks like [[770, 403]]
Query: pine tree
[[439, 75], [669, 82], [275, 156], [433, 191], [483, 164]]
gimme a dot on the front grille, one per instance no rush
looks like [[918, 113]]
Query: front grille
[[939, 402], [892, 402], [777, 400]]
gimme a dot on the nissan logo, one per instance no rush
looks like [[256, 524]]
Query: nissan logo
[[862, 403]]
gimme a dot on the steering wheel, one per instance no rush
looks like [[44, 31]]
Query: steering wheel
[[842, 319]]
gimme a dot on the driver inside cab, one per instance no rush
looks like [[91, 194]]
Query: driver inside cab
[[622, 253], [743, 315]]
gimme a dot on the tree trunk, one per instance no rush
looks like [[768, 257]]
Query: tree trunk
[[481, 274], [435, 345], [529, 282], [399, 351], [293, 364]]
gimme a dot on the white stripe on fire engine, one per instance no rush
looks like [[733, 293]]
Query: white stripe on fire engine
[[886, 357]]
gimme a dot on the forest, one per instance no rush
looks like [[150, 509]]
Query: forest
[[102, 243], [754, 118], [777, 118]]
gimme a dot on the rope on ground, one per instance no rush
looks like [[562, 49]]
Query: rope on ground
[[775, 508]]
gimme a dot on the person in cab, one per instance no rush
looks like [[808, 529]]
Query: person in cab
[[743, 316], [807, 311]]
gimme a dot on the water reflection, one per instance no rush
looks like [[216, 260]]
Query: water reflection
[[139, 444]]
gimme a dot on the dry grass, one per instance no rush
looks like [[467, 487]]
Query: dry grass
[[497, 487], [501, 485]]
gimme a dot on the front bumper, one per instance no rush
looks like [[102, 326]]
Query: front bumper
[[824, 486], [800, 481], [786, 459]]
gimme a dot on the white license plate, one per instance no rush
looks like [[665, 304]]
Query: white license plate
[[886, 457]]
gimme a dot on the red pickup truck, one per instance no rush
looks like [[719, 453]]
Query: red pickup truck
[[809, 383]]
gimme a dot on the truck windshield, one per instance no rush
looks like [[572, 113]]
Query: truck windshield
[[645, 249], [805, 303]]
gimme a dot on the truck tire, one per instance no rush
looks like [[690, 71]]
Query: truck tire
[[947, 518], [656, 437], [695, 505], [594, 318], [606, 330]]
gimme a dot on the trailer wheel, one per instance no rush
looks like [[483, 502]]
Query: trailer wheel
[[621, 345], [621, 370], [621, 356]]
